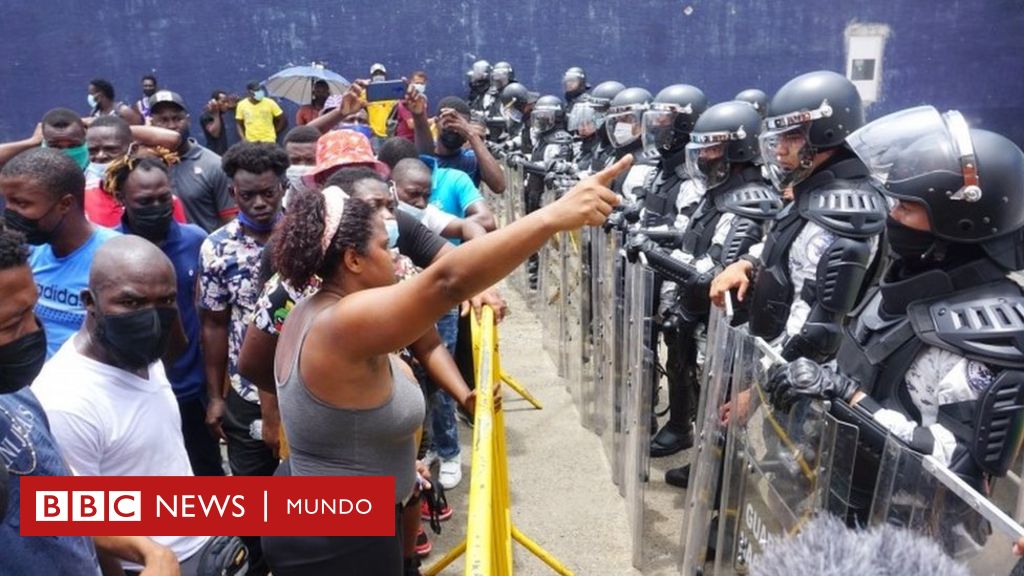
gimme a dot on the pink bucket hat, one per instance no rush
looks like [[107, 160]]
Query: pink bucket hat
[[342, 148]]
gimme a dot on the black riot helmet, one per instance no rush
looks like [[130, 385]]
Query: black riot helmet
[[724, 136], [587, 116], [810, 113], [574, 82], [479, 74], [756, 98], [668, 121], [970, 181], [624, 121], [548, 113], [515, 99], [502, 75]]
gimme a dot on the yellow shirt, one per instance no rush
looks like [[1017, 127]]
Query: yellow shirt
[[377, 114], [258, 119]]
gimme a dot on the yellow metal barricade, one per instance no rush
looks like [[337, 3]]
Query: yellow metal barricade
[[490, 531]]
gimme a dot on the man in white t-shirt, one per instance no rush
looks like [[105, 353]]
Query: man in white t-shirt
[[110, 405]]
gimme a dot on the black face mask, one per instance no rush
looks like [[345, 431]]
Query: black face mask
[[148, 91], [30, 228], [21, 360], [911, 245], [151, 222], [136, 339], [451, 140]]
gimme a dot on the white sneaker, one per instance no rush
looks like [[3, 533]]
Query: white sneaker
[[451, 472]]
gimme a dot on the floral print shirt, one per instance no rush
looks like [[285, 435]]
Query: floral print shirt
[[229, 270]]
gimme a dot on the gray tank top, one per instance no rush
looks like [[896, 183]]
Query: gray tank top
[[328, 441]]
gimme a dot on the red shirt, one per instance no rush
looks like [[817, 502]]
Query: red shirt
[[101, 208], [403, 130]]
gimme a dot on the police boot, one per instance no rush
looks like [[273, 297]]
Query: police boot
[[678, 477], [677, 434]]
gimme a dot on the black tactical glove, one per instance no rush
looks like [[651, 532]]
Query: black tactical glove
[[803, 378]]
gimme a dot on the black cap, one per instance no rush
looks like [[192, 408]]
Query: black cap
[[162, 96]]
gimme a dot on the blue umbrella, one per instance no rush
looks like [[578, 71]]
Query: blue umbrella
[[296, 83]]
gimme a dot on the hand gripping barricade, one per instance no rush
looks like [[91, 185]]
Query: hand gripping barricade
[[780, 469], [702, 494], [917, 492]]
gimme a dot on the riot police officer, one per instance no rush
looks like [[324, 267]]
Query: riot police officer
[[574, 82], [586, 122], [501, 76], [516, 104], [666, 127], [936, 355], [817, 258], [551, 145], [624, 125], [732, 212], [478, 78]]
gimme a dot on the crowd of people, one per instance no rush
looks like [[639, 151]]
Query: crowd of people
[[165, 296]]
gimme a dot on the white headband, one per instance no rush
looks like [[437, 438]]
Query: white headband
[[334, 200]]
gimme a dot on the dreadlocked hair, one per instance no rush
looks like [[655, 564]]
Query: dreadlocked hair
[[297, 240], [137, 157]]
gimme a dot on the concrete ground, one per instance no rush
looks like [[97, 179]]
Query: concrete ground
[[560, 483]]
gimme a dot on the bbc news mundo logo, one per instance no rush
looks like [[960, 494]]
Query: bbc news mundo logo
[[200, 506]]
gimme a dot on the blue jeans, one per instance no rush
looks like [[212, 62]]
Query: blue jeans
[[442, 418]]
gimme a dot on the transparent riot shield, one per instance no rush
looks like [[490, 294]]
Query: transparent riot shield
[[609, 396], [549, 289], [615, 359], [593, 402], [514, 208], [781, 468], [581, 323], [640, 374], [706, 463], [571, 343], [917, 492]]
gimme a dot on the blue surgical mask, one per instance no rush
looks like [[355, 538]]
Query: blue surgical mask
[[259, 95], [91, 100], [96, 171], [392, 228]]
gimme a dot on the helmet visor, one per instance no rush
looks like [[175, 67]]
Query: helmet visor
[[708, 163], [788, 155], [499, 78], [624, 128], [543, 120], [658, 130], [885, 145], [585, 120]]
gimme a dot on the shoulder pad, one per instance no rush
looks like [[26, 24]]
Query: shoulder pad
[[849, 208], [751, 200], [983, 323]]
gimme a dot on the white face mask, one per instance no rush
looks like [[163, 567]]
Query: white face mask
[[414, 211], [624, 133], [295, 174]]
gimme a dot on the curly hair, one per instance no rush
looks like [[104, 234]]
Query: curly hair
[[104, 87], [52, 169], [137, 158], [297, 253], [255, 158], [13, 250], [349, 175]]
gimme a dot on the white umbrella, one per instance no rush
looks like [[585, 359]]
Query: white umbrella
[[296, 83]]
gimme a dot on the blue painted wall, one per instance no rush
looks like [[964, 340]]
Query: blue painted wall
[[964, 54]]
